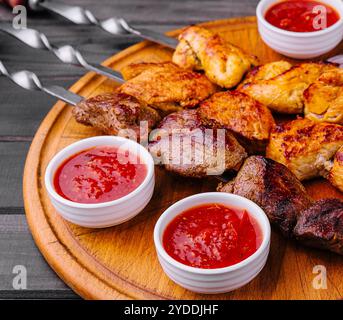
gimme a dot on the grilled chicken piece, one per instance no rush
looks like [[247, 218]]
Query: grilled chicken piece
[[335, 174], [185, 146], [324, 98], [321, 225], [274, 188], [285, 92], [165, 86], [135, 69], [266, 72], [223, 63], [250, 121], [305, 146], [113, 112]]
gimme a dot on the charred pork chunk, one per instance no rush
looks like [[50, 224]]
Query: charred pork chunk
[[113, 112], [321, 225], [223, 63], [185, 146], [250, 121], [274, 188], [165, 86]]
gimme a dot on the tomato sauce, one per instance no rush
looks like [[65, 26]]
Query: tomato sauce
[[300, 16], [212, 236], [99, 175]]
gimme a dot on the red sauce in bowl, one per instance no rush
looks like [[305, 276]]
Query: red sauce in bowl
[[99, 175], [212, 236], [300, 16]]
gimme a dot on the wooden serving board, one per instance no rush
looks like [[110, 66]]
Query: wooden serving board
[[120, 262]]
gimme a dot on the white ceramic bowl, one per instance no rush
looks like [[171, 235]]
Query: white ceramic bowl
[[106, 214], [219, 280], [300, 45]]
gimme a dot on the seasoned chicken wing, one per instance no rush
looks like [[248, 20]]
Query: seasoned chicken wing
[[165, 86], [274, 188], [266, 71], [250, 121], [185, 146], [223, 63], [305, 146], [324, 98], [285, 92]]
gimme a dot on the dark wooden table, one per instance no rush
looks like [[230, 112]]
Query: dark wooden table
[[21, 111]]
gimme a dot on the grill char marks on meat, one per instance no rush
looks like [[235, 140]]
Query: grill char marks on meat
[[321, 225], [113, 112], [222, 62], [250, 121], [273, 187], [165, 86], [185, 146]]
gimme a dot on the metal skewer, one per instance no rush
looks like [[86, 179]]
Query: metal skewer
[[337, 59], [114, 26], [67, 54], [30, 81]]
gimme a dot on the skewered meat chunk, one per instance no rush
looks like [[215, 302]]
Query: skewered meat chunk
[[266, 71], [223, 63], [324, 98], [113, 112], [185, 146], [274, 188], [321, 225], [165, 86], [285, 92], [250, 121], [305, 146], [335, 175]]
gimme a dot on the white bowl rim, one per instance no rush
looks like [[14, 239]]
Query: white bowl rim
[[49, 172], [268, 25], [263, 246]]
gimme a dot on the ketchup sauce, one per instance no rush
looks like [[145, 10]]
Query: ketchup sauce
[[299, 15], [99, 175], [212, 236]]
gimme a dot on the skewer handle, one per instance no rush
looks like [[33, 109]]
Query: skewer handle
[[114, 26], [67, 54], [337, 59], [30, 81]]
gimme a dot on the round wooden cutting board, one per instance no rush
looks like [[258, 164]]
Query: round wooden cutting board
[[120, 262]]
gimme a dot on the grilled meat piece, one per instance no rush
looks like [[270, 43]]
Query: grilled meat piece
[[165, 86], [185, 146], [250, 121], [304, 146], [285, 92], [113, 112], [321, 225], [266, 72], [335, 175], [223, 63], [324, 98], [274, 188]]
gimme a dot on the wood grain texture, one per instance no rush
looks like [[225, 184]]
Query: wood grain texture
[[120, 262]]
